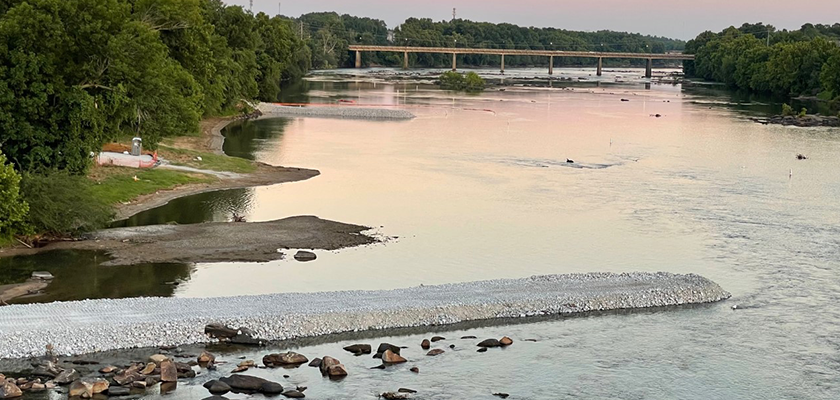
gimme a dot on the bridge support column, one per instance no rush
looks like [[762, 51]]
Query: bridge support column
[[405, 60], [454, 62], [600, 66], [551, 65], [358, 59], [503, 63], [649, 69]]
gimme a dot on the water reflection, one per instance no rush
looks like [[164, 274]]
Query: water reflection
[[203, 207], [79, 276]]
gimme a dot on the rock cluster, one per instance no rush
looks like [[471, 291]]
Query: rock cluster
[[336, 112], [804, 121]]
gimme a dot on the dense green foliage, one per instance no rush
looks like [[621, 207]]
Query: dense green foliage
[[470, 81], [329, 35], [13, 208], [804, 62], [62, 204], [76, 73]]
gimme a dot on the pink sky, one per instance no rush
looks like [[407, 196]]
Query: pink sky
[[682, 19]]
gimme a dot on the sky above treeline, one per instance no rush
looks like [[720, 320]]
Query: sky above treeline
[[681, 19]]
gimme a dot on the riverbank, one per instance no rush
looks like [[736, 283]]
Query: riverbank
[[82, 327], [807, 121]]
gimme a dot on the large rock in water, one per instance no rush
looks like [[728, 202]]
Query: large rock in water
[[284, 359], [9, 390], [245, 383], [490, 343], [66, 377], [168, 371], [271, 388], [389, 357], [86, 388], [359, 349], [505, 341], [332, 367], [305, 256], [218, 387], [219, 331], [206, 358], [386, 346]]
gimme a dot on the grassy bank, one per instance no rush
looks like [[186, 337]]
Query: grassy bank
[[117, 184], [207, 161]]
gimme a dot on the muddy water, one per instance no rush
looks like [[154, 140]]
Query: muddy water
[[478, 186]]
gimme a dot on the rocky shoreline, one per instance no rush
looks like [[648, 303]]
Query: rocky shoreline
[[349, 112], [91, 326], [808, 121]]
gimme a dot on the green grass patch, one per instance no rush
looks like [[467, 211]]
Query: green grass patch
[[117, 185], [209, 161]]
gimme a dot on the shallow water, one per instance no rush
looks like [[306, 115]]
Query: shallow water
[[478, 187]]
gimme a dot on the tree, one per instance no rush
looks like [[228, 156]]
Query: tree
[[13, 209]]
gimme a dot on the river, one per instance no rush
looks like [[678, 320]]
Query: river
[[478, 187]]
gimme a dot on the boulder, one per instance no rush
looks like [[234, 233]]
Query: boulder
[[99, 385], [206, 358], [406, 390], [415, 370], [502, 395], [425, 344], [294, 394], [337, 371], [435, 352], [326, 363], [386, 346], [271, 388], [168, 371], [127, 378], [119, 391], [157, 359], [150, 368], [66, 377], [437, 339], [37, 387], [9, 390], [244, 383], [284, 359], [505, 341], [168, 387], [315, 363], [468, 337], [219, 331], [482, 350], [490, 343], [390, 357], [81, 389], [139, 384], [305, 256], [107, 370], [359, 349]]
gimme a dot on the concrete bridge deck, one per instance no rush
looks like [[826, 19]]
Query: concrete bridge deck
[[455, 51]]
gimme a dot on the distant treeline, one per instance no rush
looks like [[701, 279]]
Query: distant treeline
[[77, 73], [758, 58], [329, 34]]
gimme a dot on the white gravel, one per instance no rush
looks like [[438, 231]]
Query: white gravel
[[348, 111], [90, 326]]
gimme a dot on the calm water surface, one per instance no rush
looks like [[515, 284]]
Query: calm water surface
[[478, 187]]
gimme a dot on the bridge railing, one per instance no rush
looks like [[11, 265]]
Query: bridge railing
[[520, 52]]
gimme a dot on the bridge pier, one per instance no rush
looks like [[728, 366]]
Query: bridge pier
[[503, 63], [600, 66], [358, 59], [454, 62], [551, 65], [405, 60], [649, 68]]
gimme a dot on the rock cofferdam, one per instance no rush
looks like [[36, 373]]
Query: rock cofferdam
[[90, 326]]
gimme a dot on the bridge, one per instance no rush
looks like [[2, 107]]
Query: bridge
[[600, 55]]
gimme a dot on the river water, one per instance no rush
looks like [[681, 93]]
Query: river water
[[479, 187]]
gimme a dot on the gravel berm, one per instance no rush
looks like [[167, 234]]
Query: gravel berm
[[350, 112], [90, 326]]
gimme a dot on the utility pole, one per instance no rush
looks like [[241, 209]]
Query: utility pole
[[454, 13], [768, 36], [251, 7]]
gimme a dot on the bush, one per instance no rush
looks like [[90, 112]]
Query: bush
[[787, 110], [61, 204], [803, 112], [454, 81], [13, 208]]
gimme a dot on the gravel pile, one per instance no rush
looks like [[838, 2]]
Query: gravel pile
[[98, 325], [350, 112]]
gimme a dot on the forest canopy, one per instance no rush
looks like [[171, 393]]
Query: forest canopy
[[758, 58]]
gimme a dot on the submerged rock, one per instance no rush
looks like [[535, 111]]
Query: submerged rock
[[435, 352], [394, 396], [425, 344], [505, 341], [386, 346], [294, 394], [218, 387], [247, 383]]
